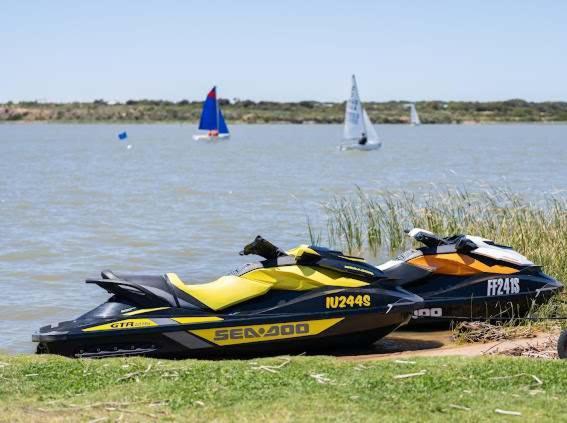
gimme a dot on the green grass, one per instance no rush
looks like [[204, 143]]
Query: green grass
[[58, 389]]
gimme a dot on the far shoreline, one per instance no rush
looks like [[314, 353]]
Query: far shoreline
[[269, 112], [282, 123]]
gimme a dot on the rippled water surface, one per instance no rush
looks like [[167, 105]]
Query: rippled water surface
[[74, 200]]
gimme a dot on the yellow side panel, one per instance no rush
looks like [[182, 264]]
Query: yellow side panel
[[300, 250], [260, 333], [458, 264], [301, 278], [144, 310], [123, 324], [224, 292], [368, 272], [200, 319], [360, 259]]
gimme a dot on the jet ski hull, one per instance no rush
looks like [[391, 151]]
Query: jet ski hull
[[494, 297], [466, 277], [445, 311], [265, 336], [268, 324]]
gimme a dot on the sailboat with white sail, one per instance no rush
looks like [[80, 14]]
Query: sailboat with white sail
[[358, 128], [212, 119], [414, 117]]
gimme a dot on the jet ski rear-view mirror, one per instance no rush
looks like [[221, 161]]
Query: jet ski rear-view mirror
[[465, 245], [262, 248], [427, 238]]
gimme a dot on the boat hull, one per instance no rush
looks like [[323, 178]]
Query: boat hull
[[205, 137], [360, 147], [466, 298], [159, 316], [266, 336]]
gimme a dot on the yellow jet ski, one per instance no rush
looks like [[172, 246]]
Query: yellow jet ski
[[306, 298]]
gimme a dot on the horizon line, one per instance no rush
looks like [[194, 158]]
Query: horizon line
[[236, 100]]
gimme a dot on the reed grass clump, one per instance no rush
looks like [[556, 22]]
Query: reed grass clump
[[373, 223]]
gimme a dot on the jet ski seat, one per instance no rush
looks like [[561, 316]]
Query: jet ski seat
[[300, 269], [132, 277], [146, 290], [233, 289], [223, 292]]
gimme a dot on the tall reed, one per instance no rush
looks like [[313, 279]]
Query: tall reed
[[374, 223]]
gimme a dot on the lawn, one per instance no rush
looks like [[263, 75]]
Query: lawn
[[277, 389]]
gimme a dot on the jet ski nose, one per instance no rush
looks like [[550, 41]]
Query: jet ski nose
[[557, 286], [553, 284], [408, 301]]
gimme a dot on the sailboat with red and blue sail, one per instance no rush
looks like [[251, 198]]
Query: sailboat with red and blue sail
[[212, 119]]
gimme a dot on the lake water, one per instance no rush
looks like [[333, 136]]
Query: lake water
[[74, 200]]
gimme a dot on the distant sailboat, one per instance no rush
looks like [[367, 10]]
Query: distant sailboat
[[212, 119], [358, 126], [414, 117]]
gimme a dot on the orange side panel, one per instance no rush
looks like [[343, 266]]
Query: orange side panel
[[457, 264]]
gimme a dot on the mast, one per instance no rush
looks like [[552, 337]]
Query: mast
[[218, 110], [364, 130]]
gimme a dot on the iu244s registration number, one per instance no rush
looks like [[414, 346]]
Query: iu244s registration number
[[344, 301]]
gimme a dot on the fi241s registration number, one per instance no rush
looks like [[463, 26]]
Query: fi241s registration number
[[502, 286]]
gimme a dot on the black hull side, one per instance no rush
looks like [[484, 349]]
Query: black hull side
[[444, 311], [355, 330]]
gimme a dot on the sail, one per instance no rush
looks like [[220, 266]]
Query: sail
[[414, 118], [370, 131], [354, 122], [210, 114], [223, 129]]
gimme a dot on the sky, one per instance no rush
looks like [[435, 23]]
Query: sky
[[60, 50]]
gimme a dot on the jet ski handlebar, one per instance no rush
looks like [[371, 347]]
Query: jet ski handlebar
[[426, 238], [429, 239], [263, 248]]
